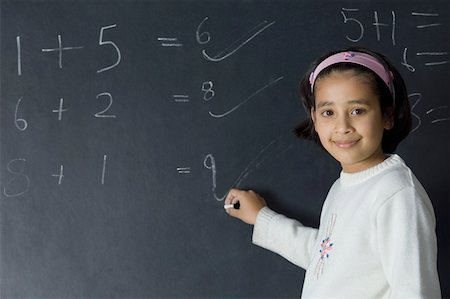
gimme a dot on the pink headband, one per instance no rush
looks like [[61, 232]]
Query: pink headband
[[363, 59]]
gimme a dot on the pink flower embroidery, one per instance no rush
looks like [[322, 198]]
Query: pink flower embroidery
[[327, 247]]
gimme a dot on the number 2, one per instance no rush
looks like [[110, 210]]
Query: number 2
[[102, 113]]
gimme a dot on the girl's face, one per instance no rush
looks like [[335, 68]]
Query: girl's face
[[348, 119]]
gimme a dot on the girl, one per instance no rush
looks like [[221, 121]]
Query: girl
[[376, 237]]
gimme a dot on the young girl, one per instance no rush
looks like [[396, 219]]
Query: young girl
[[377, 227]]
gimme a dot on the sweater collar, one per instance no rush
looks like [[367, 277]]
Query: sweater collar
[[349, 179]]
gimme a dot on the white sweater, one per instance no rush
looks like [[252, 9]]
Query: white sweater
[[376, 238]]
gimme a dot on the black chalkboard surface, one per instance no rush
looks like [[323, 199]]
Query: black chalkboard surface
[[124, 123]]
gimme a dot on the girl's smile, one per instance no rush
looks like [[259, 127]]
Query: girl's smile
[[345, 143], [348, 119]]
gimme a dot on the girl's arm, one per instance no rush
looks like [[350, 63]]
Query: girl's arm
[[273, 231], [407, 246]]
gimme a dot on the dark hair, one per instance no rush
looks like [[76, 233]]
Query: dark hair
[[396, 106]]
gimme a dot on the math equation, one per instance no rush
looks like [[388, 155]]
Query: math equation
[[356, 25]]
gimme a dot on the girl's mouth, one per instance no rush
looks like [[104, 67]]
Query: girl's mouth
[[345, 143]]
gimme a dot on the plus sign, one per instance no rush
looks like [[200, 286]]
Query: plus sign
[[60, 49], [60, 175], [60, 110]]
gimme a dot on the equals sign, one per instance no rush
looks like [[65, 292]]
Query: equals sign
[[169, 42], [181, 98], [184, 170], [434, 54]]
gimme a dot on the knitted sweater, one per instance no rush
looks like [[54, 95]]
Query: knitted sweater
[[376, 237]]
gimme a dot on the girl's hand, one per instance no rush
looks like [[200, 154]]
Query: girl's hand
[[250, 204]]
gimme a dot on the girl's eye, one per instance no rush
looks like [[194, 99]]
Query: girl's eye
[[357, 111], [327, 113]]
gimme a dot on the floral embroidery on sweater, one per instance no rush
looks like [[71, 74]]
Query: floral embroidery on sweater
[[326, 247]]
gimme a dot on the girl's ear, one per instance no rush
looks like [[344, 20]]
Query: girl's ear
[[388, 118], [313, 115]]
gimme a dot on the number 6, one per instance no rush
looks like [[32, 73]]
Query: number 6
[[204, 37], [20, 123]]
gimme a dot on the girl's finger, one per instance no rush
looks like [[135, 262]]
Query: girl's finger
[[231, 197]]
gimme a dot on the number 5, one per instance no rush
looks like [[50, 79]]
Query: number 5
[[361, 27], [101, 42]]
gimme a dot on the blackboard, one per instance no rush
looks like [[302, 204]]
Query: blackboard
[[124, 123]]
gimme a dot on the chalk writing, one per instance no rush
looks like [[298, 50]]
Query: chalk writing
[[236, 45], [382, 26], [210, 163], [434, 54], [183, 170], [246, 100], [60, 110], [60, 175], [19, 57], [170, 42], [101, 42], [20, 123], [20, 182], [393, 23], [376, 23], [357, 22], [60, 50], [418, 97], [102, 113], [203, 37], [104, 169], [405, 61], [273, 147], [181, 98], [438, 109], [421, 14], [207, 88], [415, 98]]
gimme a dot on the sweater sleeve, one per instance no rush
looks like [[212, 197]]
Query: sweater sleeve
[[407, 245], [287, 237]]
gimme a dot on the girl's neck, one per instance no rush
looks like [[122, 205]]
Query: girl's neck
[[371, 161]]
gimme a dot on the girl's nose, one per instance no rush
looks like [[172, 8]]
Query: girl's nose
[[343, 125]]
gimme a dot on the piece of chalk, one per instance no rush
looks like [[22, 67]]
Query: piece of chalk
[[232, 206]]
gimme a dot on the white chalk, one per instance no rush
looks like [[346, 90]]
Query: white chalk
[[232, 206]]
